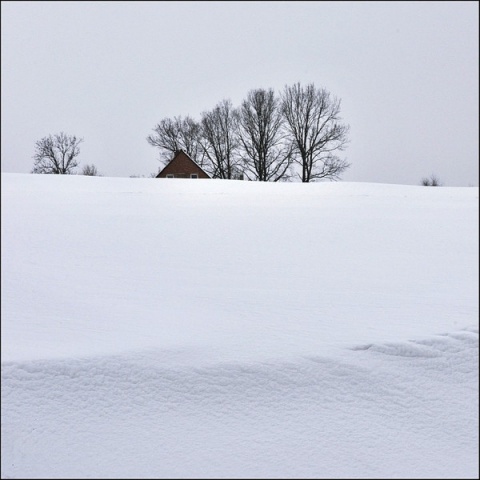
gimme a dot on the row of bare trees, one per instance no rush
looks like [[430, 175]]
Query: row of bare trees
[[269, 137]]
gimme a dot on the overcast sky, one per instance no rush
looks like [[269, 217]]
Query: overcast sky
[[407, 74]]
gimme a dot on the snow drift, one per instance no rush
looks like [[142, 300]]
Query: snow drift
[[159, 328]]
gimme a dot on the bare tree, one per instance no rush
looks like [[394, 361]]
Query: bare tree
[[433, 181], [220, 140], [313, 117], [171, 135], [56, 154], [265, 152], [90, 171]]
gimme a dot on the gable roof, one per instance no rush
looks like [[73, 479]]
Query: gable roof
[[189, 159]]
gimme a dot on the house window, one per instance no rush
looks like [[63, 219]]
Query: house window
[[193, 175], [169, 175]]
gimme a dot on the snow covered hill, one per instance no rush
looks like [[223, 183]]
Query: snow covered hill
[[164, 328]]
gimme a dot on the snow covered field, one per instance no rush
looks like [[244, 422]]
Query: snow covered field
[[166, 328]]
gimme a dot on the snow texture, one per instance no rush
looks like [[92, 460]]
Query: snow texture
[[164, 328]]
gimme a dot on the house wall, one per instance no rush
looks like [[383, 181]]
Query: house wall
[[181, 167]]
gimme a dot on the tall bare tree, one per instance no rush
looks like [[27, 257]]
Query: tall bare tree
[[220, 140], [57, 154], [313, 120], [266, 154], [171, 135]]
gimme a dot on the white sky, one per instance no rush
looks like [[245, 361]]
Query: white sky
[[407, 74], [156, 328]]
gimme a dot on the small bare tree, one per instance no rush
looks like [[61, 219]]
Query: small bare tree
[[220, 140], [90, 171], [265, 153], [313, 121], [56, 154], [171, 135], [433, 181]]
